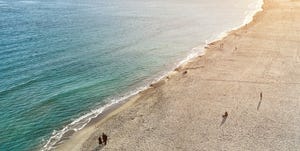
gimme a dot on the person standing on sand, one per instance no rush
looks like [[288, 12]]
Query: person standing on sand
[[100, 140], [104, 137], [260, 96], [260, 100]]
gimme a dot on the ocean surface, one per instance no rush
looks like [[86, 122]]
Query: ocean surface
[[63, 61]]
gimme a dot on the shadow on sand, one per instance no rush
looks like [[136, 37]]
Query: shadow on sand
[[258, 105], [98, 148], [223, 120]]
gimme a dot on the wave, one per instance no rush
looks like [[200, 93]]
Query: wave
[[82, 121], [29, 2], [2, 3], [18, 86], [256, 7]]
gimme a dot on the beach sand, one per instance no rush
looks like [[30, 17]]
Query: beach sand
[[184, 111]]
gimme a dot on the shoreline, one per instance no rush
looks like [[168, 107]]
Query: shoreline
[[114, 104], [91, 128], [118, 105]]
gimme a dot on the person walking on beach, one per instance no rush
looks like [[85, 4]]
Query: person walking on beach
[[104, 137], [260, 100], [260, 96], [225, 115], [100, 140]]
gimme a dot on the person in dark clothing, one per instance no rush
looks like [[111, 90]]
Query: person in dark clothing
[[104, 137], [100, 140], [260, 95], [225, 115]]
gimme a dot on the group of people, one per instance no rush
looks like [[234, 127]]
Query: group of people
[[102, 139]]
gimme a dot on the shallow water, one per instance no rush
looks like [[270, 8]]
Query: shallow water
[[60, 59]]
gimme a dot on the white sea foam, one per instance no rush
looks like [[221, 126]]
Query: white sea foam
[[82, 121], [254, 8]]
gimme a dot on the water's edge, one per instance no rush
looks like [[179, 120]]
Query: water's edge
[[57, 137]]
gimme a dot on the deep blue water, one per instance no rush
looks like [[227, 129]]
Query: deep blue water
[[59, 59]]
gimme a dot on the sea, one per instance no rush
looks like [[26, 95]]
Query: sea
[[62, 62]]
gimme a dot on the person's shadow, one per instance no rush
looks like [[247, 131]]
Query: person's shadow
[[99, 147], [223, 120], [258, 106]]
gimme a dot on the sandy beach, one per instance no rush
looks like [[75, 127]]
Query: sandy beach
[[184, 110]]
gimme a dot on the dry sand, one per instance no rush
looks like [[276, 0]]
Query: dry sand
[[184, 111]]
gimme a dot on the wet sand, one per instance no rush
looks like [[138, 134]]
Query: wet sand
[[184, 110]]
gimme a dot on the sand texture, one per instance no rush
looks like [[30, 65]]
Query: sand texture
[[184, 110]]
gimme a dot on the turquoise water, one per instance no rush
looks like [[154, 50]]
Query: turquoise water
[[60, 59]]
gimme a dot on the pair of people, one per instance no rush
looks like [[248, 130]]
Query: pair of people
[[102, 140]]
